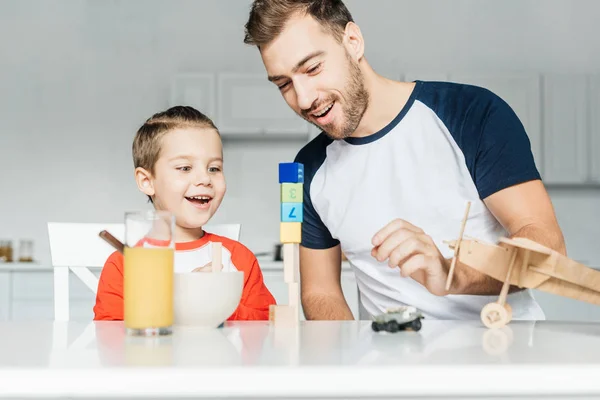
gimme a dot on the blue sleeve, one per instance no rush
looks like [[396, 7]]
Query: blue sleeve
[[504, 156], [315, 234], [494, 143]]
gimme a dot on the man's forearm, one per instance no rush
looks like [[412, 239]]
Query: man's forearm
[[325, 307], [470, 281]]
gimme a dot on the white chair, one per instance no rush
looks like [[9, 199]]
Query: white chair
[[77, 247]]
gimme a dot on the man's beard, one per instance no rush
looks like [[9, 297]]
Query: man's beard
[[357, 100]]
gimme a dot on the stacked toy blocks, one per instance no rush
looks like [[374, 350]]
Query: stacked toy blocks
[[291, 180]]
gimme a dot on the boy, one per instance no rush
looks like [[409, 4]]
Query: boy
[[178, 158]]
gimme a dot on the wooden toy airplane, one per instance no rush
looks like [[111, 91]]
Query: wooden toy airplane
[[526, 264]]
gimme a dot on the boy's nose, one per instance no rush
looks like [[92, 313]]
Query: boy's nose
[[202, 179]]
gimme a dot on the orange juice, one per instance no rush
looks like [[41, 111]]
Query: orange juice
[[148, 287]]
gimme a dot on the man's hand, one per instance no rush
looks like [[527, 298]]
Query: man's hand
[[409, 248]]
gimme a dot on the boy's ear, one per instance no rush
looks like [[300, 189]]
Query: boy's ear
[[143, 179]]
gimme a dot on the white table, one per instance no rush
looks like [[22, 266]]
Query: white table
[[318, 360]]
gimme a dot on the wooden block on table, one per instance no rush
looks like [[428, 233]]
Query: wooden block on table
[[291, 172], [217, 264], [291, 262], [292, 192], [290, 232], [291, 212], [283, 315]]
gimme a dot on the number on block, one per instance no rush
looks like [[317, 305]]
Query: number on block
[[291, 212], [291, 192]]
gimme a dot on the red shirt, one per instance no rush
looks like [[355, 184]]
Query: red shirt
[[256, 298]]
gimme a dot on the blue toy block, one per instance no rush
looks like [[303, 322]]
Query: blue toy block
[[291, 173], [291, 212]]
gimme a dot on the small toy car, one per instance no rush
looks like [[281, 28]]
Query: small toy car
[[398, 319]]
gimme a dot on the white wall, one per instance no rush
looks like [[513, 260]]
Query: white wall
[[78, 77]]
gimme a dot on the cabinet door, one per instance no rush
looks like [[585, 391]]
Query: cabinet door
[[522, 93], [565, 129], [249, 105], [594, 132], [33, 296], [5, 294], [195, 90]]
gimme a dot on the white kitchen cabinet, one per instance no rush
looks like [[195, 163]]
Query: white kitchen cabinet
[[522, 93], [32, 296], [594, 132], [195, 90], [28, 294], [566, 129], [5, 295], [250, 105]]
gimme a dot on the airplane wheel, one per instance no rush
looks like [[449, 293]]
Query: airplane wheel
[[494, 315]]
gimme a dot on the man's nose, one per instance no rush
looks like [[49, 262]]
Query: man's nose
[[306, 95]]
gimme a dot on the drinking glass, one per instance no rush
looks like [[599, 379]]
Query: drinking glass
[[148, 273]]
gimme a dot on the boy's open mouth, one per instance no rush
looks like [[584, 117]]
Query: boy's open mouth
[[199, 201]]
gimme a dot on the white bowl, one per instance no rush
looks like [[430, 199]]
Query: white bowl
[[206, 299]]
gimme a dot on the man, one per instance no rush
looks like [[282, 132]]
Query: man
[[389, 178]]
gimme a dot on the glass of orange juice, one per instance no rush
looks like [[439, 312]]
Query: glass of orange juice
[[148, 273]]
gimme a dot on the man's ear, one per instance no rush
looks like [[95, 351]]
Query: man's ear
[[354, 41], [143, 178]]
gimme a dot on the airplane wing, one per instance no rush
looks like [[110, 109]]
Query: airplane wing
[[527, 244]]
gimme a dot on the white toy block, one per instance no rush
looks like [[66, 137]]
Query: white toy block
[[217, 264], [291, 262]]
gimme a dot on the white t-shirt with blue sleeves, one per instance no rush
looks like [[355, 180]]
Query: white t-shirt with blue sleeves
[[450, 144]]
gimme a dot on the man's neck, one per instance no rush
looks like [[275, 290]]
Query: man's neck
[[386, 99]]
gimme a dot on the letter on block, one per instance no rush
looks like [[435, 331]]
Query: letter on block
[[292, 192], [290, 232], [291, 172], [291, 212]]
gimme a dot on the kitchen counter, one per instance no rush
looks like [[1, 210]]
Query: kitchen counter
[[265, 265], [318, 359]]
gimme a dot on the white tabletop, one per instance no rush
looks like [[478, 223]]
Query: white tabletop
[[319, 359]]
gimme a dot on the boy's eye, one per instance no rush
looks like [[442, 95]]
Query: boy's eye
[[214, 169], [184, 169]]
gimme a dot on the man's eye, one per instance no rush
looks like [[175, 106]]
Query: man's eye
[[283, 85], [314, 69]]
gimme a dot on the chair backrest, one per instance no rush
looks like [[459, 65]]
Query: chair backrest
[[78, 244], [77, 247], [231, 231]]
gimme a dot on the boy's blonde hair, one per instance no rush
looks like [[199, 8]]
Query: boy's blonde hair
[[147, 141]]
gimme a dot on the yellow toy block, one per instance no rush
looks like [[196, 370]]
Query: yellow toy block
[[290, 232], [291, 192]]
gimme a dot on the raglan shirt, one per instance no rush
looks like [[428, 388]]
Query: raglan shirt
[[451, 143], [256, 297]]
